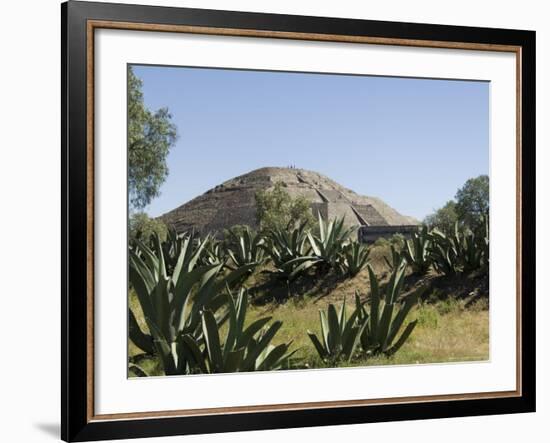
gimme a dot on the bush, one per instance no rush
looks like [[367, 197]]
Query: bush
[[276, 209], [141, 226]]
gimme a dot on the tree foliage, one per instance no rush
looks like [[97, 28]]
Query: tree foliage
[[470, 207], [150, 137], [472, 200], [444, 218], [277, 209]]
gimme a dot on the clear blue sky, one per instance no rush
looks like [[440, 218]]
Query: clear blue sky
[[411, 142]]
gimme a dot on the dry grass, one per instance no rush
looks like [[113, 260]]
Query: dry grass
[[447, 331]]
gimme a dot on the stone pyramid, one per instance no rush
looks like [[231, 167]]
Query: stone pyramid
[[233, 203]]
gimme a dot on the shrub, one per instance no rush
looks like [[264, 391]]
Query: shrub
[[277, 209], [443, 219], [141, 226]]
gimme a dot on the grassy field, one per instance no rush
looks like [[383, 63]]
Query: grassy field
[[453, 316], [447, 331]]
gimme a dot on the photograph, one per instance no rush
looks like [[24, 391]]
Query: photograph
[[282, 220]]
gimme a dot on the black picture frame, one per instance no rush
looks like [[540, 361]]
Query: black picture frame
[[76, 422]]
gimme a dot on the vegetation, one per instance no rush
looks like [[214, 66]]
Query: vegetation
[[425, 298], [243, 349], [329, 242], [353, 259], [444, 218], [339, 334], [417, 251], [245, 248], [289, 251], [380, 336], [464, 251], [470, 208], [472, 202], [276, 209], [143, 227], [395, 258], [150, 137], [163, 279]]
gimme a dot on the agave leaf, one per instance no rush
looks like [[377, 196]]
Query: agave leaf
[[182, 291], [138, 337], [400, 318], [142, 291], [301, 268], [212, 341], [318, 346], [325, 329], [142, 271], [384, 325], [149, 258], [374, 300], [342, 316], [160, 258], [234, 360], [261, 344], [272, 357], [163, 347], [233, 327], [314, 245], [335, 333], [191, 348]]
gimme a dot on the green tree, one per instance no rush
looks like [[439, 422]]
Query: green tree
[[150, 137], [277, 209], [444, 218], [472, 201]]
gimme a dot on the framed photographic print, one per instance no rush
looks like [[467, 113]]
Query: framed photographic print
[[275, 221]]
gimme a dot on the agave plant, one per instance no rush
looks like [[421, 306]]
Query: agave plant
[[463, 251], [243, 348], [383, 333], [417, 253], [332, 237], [354, 258], [245, 248], [339, 334], [214, 251], [396, 258], [444, 254], [289, 251], [283, 245], [472, 255], [176, 245], [166, 299]]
